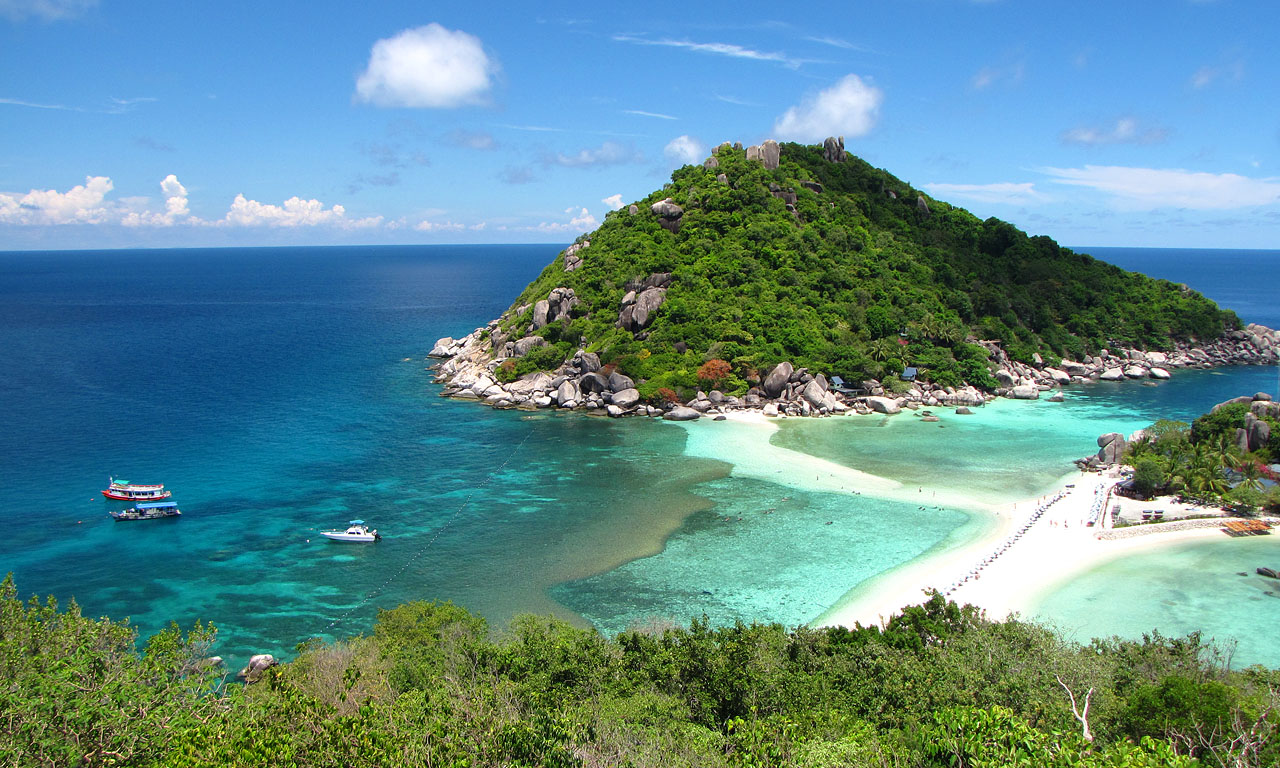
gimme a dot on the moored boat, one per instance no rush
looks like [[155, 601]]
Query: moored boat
[[151, 511], [356, 531], [123, 490], [1268, 572]]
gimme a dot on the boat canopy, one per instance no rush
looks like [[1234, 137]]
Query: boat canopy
[[356, 522], [158, 505]]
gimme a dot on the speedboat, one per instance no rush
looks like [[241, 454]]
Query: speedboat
[[123, 490], [356, 531], [152, 511]]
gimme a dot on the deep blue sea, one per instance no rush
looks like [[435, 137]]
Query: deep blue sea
[[282, 391]]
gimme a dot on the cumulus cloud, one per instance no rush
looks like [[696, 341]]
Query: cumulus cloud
[[608, 153], [82, 204], [684, 150], [295, 212], [45, 10], [848, 108], [175, 207], [581, 221], [427, 67], [613, 201], [1150, 188], [1007, 193], [1126, 130]]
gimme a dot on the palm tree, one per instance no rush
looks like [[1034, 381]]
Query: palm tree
[[883, 349]]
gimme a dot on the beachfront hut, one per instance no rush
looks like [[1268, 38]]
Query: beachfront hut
[[909, 374]]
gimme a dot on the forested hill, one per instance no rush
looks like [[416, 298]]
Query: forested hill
[[830, 263]]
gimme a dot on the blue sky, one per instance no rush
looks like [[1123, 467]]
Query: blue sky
[[143, 124]]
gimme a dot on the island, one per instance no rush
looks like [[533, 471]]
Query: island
[[801, 280]]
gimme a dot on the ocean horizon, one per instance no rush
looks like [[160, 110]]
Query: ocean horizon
[[281, 391]]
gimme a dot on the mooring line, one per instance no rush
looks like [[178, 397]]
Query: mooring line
[[371, 595]]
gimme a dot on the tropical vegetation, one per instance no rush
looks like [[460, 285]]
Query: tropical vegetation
[[862, 275], [937, 685], [1202, 461]]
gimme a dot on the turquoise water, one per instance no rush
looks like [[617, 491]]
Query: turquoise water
[[282, 391], [1209, 586]]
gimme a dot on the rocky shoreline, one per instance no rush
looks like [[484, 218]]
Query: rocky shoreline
[[468, 370]]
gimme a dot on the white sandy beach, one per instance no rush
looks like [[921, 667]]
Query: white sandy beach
[[1058, 546], [1053, 549]]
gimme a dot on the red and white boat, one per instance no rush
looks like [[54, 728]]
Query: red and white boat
[[123, 490]]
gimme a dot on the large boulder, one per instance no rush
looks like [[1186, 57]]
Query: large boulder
[[883, 405], [526, 345], [619, 382], [567, 392], [592, 383], [681, 413], [540, 310], [1058, 375], [1111, 448], [815, 394], [646, 303], [1112, 374], [1005, 378], [1025, 392], [257, 667], [626, 398], [833, 149], [668, 214], [443, 348], [1259, 432], [770, 155], [1159, 373], [573, 255], [530, 383], [776, 381]]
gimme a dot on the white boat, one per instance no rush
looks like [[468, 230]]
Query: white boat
[[356, 531]]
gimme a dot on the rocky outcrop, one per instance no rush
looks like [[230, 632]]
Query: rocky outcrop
[[257, 667], [558, 304], [638, 308], [767, 153], [682, 413], [711, 162], [1111, 448], [883, 405], [833, 149], [776, 382], [573, 255], [668, 213]]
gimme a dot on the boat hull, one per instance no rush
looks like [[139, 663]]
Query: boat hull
[[141, 496], [350, 537], [124, 517]]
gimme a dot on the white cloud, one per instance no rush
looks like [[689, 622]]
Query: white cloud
[[684, 150], [45, 10], [427, 67], [82, 204], [1150, 188], [613, 201], [719, 49], [175, 206], [608, 153], [1006, 193], [848, 108], [439, 226], [581, 222], [295, 212], [1126, 130]]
